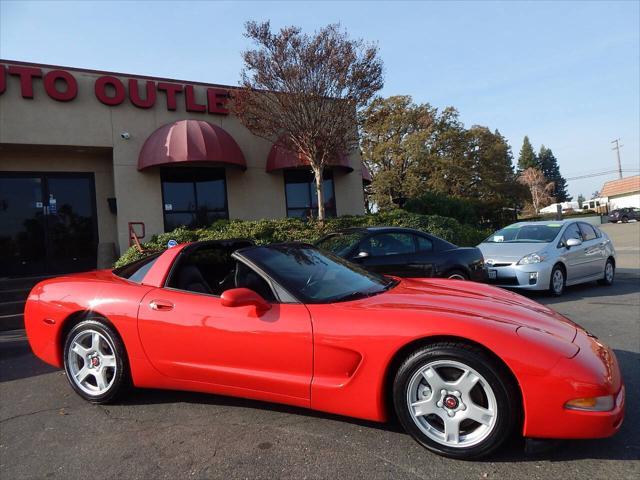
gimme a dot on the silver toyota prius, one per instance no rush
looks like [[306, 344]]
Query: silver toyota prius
[[548, 255]]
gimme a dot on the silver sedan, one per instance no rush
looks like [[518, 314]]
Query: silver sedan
[[549, 255]]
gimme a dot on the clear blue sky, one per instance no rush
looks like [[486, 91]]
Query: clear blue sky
[[565, 73]]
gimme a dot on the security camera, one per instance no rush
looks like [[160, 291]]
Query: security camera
[[125, 135]]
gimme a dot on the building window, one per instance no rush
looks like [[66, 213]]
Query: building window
[[193, 197], [301, 197]]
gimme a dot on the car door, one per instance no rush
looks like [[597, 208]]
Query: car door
[[192, 336], [594, 250], [573, 256], [391, 253]]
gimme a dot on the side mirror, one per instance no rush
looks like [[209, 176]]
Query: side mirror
[[362, 255], [573, 242], [243, 297]]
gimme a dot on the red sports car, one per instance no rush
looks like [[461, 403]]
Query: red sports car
[[462, 365]]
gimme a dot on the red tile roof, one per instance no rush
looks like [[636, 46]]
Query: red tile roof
[[621, 186]]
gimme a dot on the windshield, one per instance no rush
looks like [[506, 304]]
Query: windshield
[[340, 243], [315, 276], [542, 233]]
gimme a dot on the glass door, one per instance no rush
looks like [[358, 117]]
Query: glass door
[[71, 223], [22, 225], [47, 223]]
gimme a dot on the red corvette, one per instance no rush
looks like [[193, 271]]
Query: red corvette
[[462, 365]]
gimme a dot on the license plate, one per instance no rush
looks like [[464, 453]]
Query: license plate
[[493, 274]]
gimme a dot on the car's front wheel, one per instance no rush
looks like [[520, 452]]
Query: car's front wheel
[[609, 273], [557, 282], [457, 275], [455, 400], [95, 361]]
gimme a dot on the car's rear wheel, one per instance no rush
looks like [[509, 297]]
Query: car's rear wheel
[[609, 273], [457, 275], [455, 400], [558, 281], [95, 361]]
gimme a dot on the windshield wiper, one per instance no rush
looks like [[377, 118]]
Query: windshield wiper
[[356, 295]]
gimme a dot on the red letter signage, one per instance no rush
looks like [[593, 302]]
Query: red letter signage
[[190, 100], [62, 86], [3, 79], [217, 100], [134, 95], [171, 89], [26, 75], [101, 90], [70, 91]]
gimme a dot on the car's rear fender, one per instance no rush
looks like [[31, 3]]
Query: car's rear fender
[[53, 306]]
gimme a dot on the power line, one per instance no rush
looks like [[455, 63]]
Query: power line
[[608, 172]]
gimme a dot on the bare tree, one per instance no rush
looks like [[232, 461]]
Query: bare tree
[[539, 187], [304, 91]]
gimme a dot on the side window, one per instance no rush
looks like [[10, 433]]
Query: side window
[[245, 277], [136, 271], [572, 231], [208, 269], [424, 244], [389, 244], [588, 233]]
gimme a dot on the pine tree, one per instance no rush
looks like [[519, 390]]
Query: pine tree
[[551, 170], [527, 157]]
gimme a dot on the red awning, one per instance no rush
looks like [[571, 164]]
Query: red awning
[[190, 141], [281, 158]]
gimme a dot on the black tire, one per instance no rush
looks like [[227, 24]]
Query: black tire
[[111, 346], [457, 275], [625, 219], [607, 279], [557, 290], [494, 376]]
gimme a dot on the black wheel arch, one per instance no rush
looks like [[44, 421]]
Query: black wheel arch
[[407, 349], [75, 318]]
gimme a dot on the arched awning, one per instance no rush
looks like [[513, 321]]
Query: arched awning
[[190, 141], [281, 158]]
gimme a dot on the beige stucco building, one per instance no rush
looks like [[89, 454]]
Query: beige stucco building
[[85, 153]]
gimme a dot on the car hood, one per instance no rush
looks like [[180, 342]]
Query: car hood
[[509, 252], [473, 301]]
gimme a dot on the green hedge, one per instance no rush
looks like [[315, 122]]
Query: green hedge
[[492, 214], [291, 229]]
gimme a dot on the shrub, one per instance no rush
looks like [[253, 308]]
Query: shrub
[[493, 213], [292, 229]]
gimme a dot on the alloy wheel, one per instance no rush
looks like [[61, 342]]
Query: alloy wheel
[[452, 404], [91, 362], [608, 272], [557, 281]]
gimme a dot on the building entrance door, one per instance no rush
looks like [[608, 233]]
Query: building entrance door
[[48, 223]]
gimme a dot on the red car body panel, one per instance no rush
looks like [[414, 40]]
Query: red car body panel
[[333, 357]]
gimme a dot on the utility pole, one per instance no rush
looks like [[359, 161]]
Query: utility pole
[[617, 149]]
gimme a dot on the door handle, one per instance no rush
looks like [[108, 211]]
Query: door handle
[[161, 305]]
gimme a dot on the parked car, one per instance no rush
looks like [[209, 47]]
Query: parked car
[[405, 252], [549, 255], [463, 365], [624, 214]]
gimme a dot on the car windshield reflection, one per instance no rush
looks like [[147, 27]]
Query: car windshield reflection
[[315, 276]]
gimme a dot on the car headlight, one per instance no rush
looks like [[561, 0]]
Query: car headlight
[[531, 258], [592, 404]]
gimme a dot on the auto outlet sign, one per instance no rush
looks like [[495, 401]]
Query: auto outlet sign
[[61, 85]]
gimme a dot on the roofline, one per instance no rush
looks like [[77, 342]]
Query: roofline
[[116, 74]]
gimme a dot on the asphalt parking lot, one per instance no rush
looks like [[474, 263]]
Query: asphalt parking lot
[[47, 431]]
